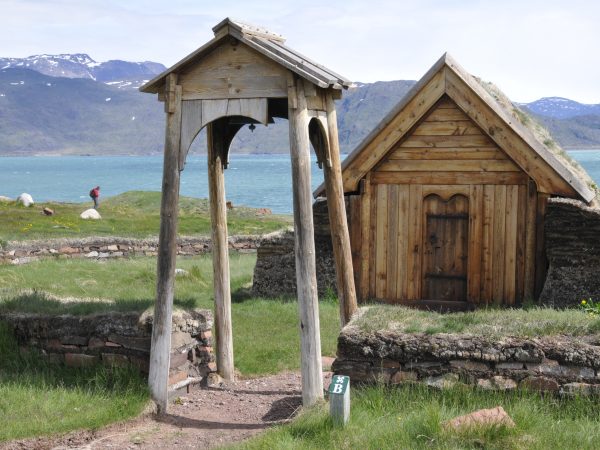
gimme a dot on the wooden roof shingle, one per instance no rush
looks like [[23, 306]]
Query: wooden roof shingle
[[265, 42]]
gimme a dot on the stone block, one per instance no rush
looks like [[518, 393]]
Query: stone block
[[74, 340], [494, 417], [390, 364], [95, 342], [177, 376], [446, 381], [112, 248], [471, 366], [497, 383], [80, 360], [542, 384], [130, 342], [68, 250], [53, 344], [115, 359], [402, 376], [567, 372], [574, 389], [177, 359], [510, 366], [214, 380], [180, 339], [424, 365]]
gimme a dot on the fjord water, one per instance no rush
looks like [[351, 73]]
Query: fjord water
[[262, 181]]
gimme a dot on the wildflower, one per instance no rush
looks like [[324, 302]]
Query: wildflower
[[583, 302]]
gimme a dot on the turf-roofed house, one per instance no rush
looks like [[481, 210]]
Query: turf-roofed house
[[448, 197]]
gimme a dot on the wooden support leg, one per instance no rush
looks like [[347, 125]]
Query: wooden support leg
[[160, 349], [218, 216], [306, 279], [340, 236]]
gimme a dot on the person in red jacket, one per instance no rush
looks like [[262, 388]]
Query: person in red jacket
[[95, 194]]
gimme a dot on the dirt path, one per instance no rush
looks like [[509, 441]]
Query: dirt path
[[204, 418]]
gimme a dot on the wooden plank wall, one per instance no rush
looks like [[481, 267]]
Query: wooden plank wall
[[446, 154]]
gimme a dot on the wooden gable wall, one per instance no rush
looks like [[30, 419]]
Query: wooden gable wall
[[234, 70], [445, 167]]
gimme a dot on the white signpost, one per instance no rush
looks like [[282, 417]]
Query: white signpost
[[339, 399]]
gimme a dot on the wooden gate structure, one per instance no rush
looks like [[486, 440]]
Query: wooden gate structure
[[246, 75]]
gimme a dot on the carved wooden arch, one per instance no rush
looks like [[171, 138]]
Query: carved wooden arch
[[196, 114], [319, 138]]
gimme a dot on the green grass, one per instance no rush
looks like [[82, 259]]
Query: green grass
[[492, 323], [266, 338], [133, 214], [410, 417], [38, 398]]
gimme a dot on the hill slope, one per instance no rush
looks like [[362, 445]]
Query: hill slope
[[41, 114]]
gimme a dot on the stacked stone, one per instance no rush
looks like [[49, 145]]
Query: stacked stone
[[275, 270], [98, 248], [559, 364], [118, 339], [572, 232]]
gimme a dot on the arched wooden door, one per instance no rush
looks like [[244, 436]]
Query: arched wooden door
[[445, 248]]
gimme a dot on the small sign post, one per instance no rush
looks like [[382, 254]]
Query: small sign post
[[339, 399]]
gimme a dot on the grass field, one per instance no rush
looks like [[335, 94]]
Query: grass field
[[411, 417], [38, 399], [491, 323], [131, 214], [265, 333]]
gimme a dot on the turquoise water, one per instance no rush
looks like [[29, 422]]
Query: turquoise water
[[255, 180], [262, 181]]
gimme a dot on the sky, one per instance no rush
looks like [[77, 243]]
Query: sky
[[529, 48]]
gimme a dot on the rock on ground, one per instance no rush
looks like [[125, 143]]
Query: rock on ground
[[25, 199], [90, 214], [482, 418], [4, 199]]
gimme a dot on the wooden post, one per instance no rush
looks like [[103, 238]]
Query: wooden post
[[306, 279], [160, 349], [220, 251], [338, 223]]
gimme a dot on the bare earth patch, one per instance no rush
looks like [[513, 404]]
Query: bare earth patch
[[204, 418]]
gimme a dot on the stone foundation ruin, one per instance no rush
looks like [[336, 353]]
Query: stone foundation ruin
[[118, 339], [560, 364]]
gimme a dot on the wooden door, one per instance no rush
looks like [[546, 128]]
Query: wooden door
[[445, 248]]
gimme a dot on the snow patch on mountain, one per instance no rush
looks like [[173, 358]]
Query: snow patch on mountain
[[561, 108], [122, 74]]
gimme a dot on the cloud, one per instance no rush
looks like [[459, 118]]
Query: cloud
[[529, 48]]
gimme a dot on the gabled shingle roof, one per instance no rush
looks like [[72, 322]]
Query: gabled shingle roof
[[265, 42], [360, 161]]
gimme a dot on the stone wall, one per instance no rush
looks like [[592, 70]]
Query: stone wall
[[119, 339], [559, 364], [275, 270], [572, 233], [112, 247]]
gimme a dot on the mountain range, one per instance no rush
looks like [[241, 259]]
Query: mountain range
[[71, 104]]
